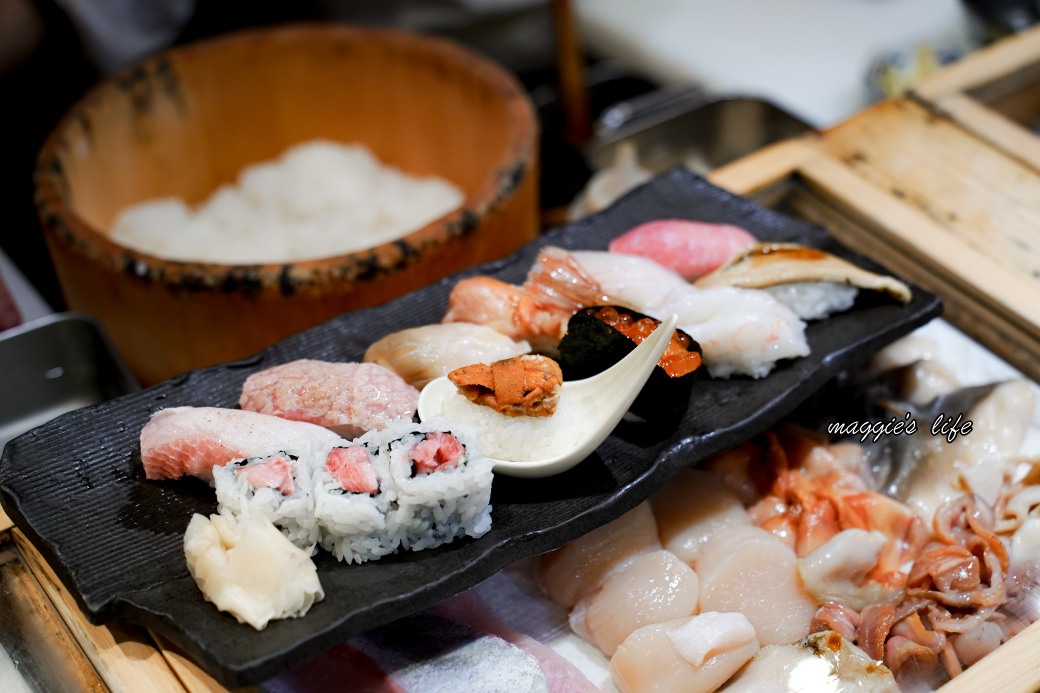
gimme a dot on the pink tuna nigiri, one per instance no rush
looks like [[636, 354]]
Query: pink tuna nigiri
[[691, 248], [190, 440]]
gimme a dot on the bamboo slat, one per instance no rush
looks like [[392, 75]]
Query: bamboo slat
[[967, 216], [5, 522], [123, 655], [992, 95], [1008, 56], [764, 168], [195, 680], [991, 127]]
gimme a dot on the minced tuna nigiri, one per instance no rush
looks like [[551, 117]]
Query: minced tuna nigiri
[[181, 441], [691, 248]]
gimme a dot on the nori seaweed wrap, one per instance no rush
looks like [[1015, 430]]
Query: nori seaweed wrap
[[600, 336]]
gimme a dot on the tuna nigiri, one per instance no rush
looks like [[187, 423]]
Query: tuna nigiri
[[691, 248], [347, 398], [189, 441]]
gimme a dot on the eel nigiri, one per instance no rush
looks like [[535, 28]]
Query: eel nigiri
[[811, 282], [180, 441]]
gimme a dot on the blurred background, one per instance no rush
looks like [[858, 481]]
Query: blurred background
[[802, 64]]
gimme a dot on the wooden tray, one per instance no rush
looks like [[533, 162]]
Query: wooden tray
[[992, 94]]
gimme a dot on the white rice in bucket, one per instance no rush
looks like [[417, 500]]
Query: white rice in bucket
[[320, 199]]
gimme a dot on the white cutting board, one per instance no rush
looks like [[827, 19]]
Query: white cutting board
[[811, 57]]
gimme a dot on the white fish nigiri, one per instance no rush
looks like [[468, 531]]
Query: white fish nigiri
[[741, 331], [655, 587], [246, 567], [692, 507], [692, 655], [420, 354], [750, 571], [189, 441], [575, 570], [636, 281]]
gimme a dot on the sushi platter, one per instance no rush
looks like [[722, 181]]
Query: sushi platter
[[76, 489]]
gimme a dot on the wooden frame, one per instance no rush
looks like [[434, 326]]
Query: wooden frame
[[967, 92], [875, 193]]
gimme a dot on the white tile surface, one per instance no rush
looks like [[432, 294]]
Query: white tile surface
[[810, 57]]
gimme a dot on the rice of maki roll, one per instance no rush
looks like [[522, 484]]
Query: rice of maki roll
[[279, 487], [351, 502], [440, 484]]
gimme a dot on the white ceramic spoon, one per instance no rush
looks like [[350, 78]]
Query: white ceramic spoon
[[601, 401]]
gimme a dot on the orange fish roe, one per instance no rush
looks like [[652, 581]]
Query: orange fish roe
[[676, 360]]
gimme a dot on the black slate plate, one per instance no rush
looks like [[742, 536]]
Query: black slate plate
[[75, 487]]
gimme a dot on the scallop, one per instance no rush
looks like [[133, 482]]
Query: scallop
[[750, 571], [691, 508], [823, 661], [692, 655], [577, 569], [653, 588]]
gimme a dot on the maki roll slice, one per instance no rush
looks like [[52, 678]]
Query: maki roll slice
[[599, 336], [351, 503], [440, 484], [279, 487]]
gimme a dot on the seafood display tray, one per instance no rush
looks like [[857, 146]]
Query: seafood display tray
[[75, 486]]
